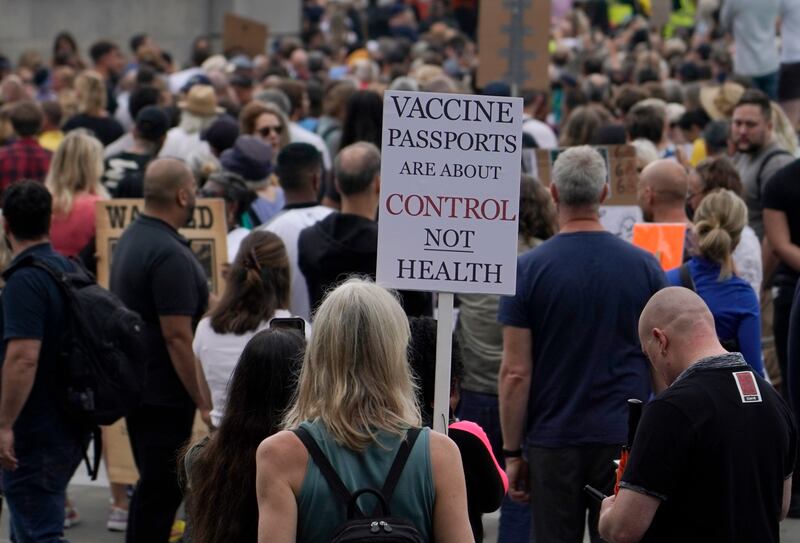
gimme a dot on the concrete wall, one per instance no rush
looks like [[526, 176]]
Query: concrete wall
[[32, 24]]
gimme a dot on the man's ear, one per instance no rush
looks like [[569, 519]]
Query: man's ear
[[604, 193], [554, 192], [377, 184], [662, 339], [182, 197], [315, 182]]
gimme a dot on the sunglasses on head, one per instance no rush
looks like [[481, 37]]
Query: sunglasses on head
[[267, 130]]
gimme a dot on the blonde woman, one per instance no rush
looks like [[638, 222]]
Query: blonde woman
[[718, 224], [356, 400], [92, 97], [74, 182]]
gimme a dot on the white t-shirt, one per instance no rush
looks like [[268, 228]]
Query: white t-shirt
[[298, 134], [541, 132], [287, 225], [747, 259], [235, 238], [181, 145], [218, 355], [790, 31]]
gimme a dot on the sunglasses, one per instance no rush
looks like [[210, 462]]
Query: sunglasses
[[267, 130]]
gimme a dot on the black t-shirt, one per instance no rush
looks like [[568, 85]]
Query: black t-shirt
[[782, 193], [124, 174], [33, 307], [106, 129], [155, 273], [715, 448]]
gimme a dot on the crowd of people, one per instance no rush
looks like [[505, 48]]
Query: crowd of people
[[304, 363]]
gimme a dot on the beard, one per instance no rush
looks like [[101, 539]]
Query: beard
[[190, 207], [749, 148]]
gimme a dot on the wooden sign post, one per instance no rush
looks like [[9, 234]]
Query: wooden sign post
[[513, 43]]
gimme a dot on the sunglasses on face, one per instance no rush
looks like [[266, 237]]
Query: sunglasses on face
[[268, 130]]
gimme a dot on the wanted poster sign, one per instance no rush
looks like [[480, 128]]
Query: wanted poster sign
[[449, 203], [207, 235]]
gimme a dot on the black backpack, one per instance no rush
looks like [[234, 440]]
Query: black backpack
[[380, 526], [101, 353]]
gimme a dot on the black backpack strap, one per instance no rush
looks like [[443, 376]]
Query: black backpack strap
[[93, 468], [399, 463], [686, 277], [334, 481], [772, 154]]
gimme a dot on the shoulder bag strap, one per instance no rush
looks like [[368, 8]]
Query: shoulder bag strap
[[764, 163], [328, 472], [686, 277], [399, 463]]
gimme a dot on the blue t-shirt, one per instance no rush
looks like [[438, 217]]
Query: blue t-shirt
[[581, 294], [733, 303], [33, 307]]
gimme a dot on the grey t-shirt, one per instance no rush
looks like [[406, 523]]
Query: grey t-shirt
[[481, 337], [753, 25], [748, 166]]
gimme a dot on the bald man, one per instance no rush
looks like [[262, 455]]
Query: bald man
[[714, 453], [156, 274], [661, 193]]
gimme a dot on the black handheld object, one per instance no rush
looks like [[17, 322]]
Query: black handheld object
[[594, 493], [634, 415], [291, 323]]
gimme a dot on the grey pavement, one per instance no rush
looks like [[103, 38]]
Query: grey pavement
[[92, 503]]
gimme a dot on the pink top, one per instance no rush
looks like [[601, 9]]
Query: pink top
[[70, 233]]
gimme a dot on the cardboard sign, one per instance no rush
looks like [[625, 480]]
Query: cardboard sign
[[620, 163], [620, 220], [118, 455], [664, 240], [660, 11], [450, 173], [207, 235], [243, 33], [513, 43]]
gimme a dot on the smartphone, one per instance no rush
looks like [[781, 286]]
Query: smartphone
[[290, 323], [594, 493]]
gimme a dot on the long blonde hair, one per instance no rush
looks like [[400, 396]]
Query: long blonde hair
[[719, 221], [783, 130], [76, 167], [355, 377], [90, 90]]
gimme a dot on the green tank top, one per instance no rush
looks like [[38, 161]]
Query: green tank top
[[320, 513]]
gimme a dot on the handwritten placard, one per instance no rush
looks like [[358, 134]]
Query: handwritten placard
[[621, 165], [207, 235], [665, 240], [449, 202]]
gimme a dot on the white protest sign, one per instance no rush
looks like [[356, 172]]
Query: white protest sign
[[450, 174]]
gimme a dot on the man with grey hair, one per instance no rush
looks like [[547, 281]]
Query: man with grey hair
[[571, 355], [346, 243]]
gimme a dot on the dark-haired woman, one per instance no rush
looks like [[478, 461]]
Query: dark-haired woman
[[222, 470], [363, 120], [257, 291]]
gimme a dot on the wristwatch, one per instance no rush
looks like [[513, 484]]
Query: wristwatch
[[516, 453]]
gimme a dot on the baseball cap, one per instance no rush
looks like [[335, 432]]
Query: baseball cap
[[152, 123], [222, 133]]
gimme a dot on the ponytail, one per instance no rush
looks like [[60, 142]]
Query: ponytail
[[719, 221]]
